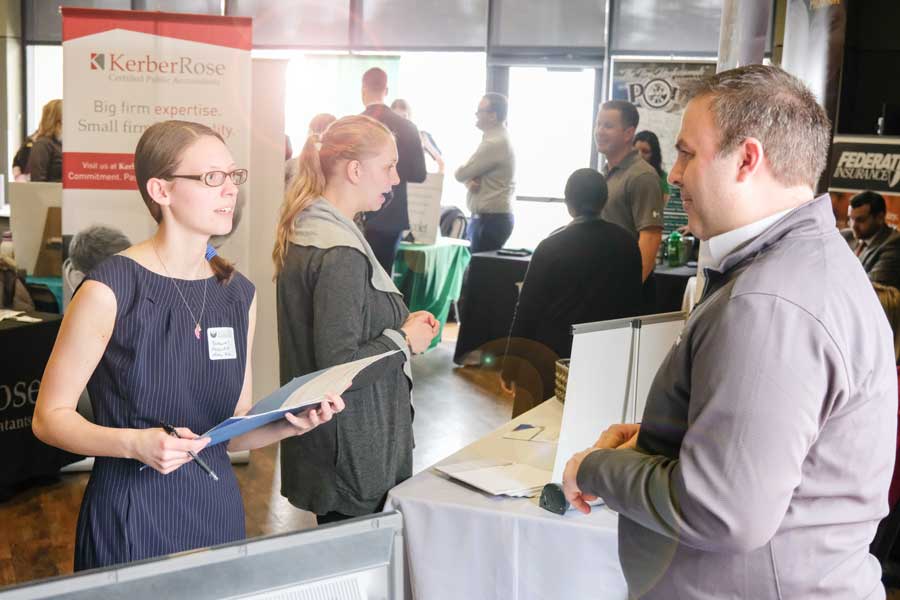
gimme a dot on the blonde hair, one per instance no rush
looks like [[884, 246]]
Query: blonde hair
[[158, 154], [51, 120], [350, 138]]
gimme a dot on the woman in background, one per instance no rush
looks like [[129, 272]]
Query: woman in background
[[674, 217], [45, 160], [317, 125], [402, 108], [647, 145]]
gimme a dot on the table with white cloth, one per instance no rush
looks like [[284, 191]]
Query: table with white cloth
[[462, 543]]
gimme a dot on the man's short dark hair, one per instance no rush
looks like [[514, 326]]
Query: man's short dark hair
[[94, 244], [586, 192], [630, 116], [774, 107], [375, 79], [873, 200], [499, 105], [400, 104]]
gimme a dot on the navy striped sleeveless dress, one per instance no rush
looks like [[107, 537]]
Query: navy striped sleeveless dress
[[155, 370]]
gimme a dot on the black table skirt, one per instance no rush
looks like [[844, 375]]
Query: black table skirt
[[490, 295], [670, 284], [24, 351], [489, 300]]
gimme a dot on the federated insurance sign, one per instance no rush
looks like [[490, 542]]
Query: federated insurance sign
[[860, 165]]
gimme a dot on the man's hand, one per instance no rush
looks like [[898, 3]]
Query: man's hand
[[622, 435], [474, 184], [573, 493]]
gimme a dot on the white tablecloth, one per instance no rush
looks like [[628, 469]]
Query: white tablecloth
[[464, 544]]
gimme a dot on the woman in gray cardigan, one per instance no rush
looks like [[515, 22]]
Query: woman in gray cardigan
[[337, 304]]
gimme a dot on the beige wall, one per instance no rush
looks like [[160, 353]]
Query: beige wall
[[264, 201]]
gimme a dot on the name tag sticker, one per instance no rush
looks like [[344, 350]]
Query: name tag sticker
[[220, 341]]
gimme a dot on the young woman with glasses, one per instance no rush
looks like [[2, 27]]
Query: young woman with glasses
[[139, 333]]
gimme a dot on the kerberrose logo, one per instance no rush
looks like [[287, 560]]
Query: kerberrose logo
[[872, 166], [181, 65]]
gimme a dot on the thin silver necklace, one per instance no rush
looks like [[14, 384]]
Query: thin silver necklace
[[196, 320]]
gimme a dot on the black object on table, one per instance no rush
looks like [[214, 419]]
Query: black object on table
[[24, 351], [489, 300], [670, 285]]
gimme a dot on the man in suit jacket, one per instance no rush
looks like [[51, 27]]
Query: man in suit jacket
[[383, 228], [875, 243], [587, 271]]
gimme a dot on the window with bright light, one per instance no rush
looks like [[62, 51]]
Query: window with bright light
[[550, 123], [45, 82], [442, 89]]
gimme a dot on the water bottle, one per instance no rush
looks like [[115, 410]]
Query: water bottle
[[674, 249]]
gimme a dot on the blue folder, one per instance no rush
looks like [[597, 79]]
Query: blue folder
[[268, 409]]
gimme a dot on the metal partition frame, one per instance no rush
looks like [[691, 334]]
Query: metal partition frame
[[274, 566]]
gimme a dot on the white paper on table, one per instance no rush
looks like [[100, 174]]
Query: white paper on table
[[526, 434], [27, 319], [530, 493], [499, 480], [470, 465], [547, 435]]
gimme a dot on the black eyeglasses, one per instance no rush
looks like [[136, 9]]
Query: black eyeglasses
[[217, 178]]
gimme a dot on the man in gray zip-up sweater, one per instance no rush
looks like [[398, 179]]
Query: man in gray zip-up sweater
[[762, 464]]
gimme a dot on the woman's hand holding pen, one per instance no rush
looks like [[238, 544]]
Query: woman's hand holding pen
[[420, 328], [163, 452], [312, 418]]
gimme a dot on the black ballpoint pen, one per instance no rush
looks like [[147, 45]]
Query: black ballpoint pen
[[202, 463]]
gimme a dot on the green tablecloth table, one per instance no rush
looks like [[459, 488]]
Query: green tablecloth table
[[430, 277], [55, 284]]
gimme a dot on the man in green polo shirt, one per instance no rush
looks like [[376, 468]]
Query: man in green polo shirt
[[635, 198]]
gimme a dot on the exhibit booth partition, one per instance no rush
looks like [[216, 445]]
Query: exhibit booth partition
[[464, 542], [362, 558], [612, 368]]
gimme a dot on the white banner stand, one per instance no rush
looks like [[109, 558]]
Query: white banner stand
[[423, 202], [613, 365]]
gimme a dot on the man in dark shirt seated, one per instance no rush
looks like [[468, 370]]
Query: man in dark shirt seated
[[875, 243], [589, 270]]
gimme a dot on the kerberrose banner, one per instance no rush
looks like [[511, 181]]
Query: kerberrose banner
[[124, 71], [656, 89]]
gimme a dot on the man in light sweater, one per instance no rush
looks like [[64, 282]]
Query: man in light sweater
[[489, 176], [761, 466]]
